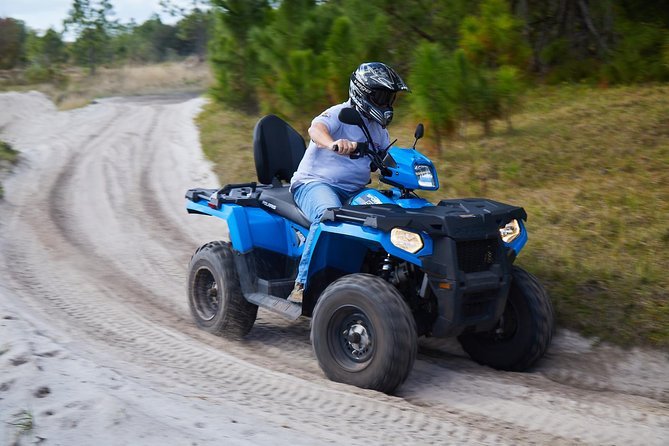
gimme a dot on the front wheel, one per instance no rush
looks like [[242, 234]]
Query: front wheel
[[524, 331], [364, 334], [214, 294]]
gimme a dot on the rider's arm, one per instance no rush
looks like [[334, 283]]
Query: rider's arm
[[319, 133]]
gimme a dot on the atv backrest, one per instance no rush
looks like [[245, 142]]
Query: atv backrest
[[277, 149]]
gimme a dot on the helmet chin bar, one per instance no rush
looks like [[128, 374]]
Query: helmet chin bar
[[384, 118], [387, 117]]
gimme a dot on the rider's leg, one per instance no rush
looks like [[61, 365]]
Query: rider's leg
[[313, 198]]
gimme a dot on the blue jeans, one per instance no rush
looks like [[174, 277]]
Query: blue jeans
[[314, 199]]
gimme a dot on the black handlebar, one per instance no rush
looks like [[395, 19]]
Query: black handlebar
[[360, 150]]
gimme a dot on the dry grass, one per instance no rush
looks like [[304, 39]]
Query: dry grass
[[590, 166], [226, 138], [77, 88]]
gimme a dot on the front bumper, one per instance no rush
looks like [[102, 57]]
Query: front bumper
[[470, 291]]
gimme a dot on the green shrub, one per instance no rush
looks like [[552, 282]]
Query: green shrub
[[494, 37], [638, 57], [36, 74], [7, 153]]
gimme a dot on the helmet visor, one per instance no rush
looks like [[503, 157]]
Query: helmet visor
[[383, 98]]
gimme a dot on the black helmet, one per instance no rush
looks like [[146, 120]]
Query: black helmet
[[372, 90]]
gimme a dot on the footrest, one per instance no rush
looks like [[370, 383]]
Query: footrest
[[276, 305]]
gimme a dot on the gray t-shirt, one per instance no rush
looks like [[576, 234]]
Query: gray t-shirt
[[324, 165]]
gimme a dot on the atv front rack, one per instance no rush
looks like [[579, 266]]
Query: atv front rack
[[452, 218], [383, 217]]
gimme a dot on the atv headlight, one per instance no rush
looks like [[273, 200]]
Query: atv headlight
[[406, 240], [510, 231], [424, 175]]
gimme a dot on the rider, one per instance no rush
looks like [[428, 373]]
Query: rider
[[327, 178]]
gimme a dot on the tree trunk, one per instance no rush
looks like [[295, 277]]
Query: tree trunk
[[91, 61], [487, 127], [509, 124], [585, 11]]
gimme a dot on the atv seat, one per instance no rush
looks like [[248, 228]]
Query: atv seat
[[279, 201], [278, 149]]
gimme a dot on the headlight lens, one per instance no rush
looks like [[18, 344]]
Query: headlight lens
[[510, 231], [424, 175], [406, 240]]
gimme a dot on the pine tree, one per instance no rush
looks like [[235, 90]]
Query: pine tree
[[12, 38], [435, 89], [233, 59], [91, 22]]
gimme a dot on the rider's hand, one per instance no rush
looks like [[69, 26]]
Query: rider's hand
[[345, 147]]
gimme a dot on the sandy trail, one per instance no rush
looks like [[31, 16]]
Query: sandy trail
[[97, 344]]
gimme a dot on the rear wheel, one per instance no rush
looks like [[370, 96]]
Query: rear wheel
[[363, 333], [214, 295], [524, 331]]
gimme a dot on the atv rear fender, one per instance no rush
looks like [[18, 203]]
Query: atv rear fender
[[269, 231]]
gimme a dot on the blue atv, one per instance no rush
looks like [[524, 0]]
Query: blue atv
[[387, 267]]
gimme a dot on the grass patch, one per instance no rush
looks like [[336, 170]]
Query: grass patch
[[227, 140], [23, 421], [590, 166], [8, 156], [7, 153]]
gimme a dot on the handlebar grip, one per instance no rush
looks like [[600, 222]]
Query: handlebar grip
[[360, 151]]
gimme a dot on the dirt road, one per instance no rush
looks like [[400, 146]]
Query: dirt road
[[97, 345]]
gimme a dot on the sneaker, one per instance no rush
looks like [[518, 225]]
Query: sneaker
[[296, 295]]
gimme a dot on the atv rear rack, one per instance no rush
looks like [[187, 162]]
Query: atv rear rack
[[230, 193]]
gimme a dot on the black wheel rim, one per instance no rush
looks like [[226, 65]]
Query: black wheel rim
[[206, 296], [351, 338]]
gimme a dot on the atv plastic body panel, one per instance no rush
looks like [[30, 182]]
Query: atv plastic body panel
[[466, 265]]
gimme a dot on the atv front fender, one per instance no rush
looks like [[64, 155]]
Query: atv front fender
[[343, 246]]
